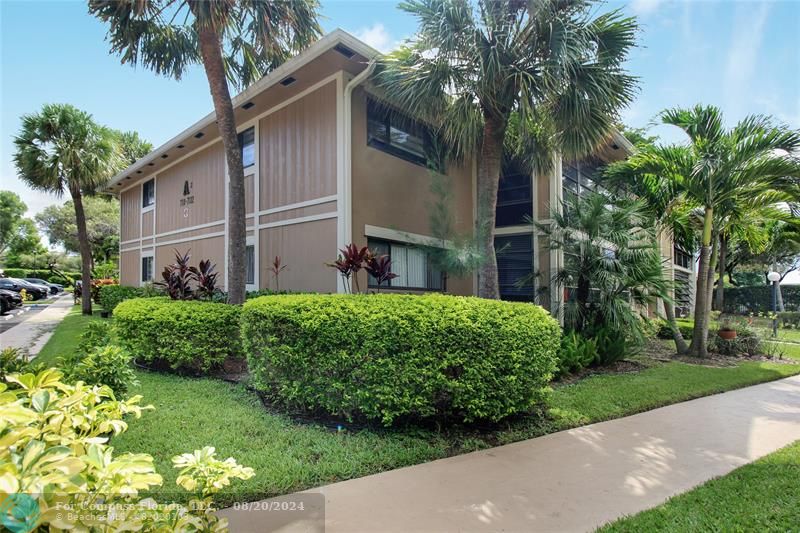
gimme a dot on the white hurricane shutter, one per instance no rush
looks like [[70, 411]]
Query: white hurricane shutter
[[399, 261], [417, 268]]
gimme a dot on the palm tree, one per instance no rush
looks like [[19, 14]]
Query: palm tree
[[235, 41], [612, 262], [470, 67], [61, 149], [643, 176], [721, 173]]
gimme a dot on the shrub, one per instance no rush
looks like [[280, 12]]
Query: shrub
[[182, 334], [747, 343], [665, 332], [58, 458], [789, 319], [385, 356], [108, 365], [612, 345], [111, 295], [576, 353], [12, 360], [47, 275], [94, 335]]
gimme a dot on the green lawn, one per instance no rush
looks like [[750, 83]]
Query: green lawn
[[761, 496], [67, 335], [785, 349], [289, 456]]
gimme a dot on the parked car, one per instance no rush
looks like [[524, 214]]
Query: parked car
[[55, 288], [9, 300], [37, 292]]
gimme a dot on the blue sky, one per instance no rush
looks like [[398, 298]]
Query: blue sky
[[743, 56]]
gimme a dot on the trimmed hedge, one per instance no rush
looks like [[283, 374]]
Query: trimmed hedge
[[47, 275], [386, 356], [185, 335], [758, 299], [110, 296]]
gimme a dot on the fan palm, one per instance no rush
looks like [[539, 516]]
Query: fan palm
[[61, 149], [724, 174], [612, 262], [471, 66], [234, 41]]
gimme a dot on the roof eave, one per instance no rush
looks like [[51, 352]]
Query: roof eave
[[325, 43]]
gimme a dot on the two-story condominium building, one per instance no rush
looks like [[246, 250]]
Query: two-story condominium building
[[326, 165]]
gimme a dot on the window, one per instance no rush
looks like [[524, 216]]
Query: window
[[580, 178], [412, 264], [515, 267], [250, 264], [683, 293], [247, 140], [682, 259], [514, 201], [395, 134], [147, 268], [148, 193]]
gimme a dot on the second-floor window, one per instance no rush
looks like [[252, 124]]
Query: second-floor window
[[393, 133], [148, 193], [247, 140], [683, 259]]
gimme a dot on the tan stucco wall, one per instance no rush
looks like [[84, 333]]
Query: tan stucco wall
[[392, 193]]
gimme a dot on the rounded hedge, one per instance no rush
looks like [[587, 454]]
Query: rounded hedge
[[110, 296], [186, 335], [385, 356]]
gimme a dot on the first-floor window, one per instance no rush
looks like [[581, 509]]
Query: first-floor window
[[250, 264], [412, 264], [147, 268]]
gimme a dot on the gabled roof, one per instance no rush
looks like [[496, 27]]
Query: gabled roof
[[337, 37]]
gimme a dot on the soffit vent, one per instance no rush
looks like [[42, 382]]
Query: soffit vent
[[199, 135], [288, 81], [346, 52], [248, 105]]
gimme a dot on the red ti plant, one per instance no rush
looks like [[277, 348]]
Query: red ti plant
[[380, 268], [276, 268], [177, 278], [206, 277], [350, 261]]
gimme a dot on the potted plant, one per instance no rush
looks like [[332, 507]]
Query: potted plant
[[726, 330]]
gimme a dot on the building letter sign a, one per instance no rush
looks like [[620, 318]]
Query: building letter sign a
[[188, 197]]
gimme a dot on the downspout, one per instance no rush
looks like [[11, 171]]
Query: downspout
[[347, 209]]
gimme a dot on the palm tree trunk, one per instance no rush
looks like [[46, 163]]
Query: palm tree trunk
[[712, 270], [698, 347], [86, 251], [719, 300], [680, 343], [488, 181], [211, 51]]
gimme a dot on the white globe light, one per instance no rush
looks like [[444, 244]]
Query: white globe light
[[773, 276]]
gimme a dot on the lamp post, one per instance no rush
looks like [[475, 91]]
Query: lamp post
[[774, 277]]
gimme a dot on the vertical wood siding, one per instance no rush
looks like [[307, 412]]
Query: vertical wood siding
[[297, 150], [304, 248], [205, 172], [130, 211]]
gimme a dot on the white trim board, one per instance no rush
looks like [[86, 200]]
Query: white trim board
[[405, 236]]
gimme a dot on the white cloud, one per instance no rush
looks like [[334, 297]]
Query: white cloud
[[377, 37], [645, 7]]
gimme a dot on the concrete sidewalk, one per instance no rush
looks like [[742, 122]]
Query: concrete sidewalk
[[34, 332], [574, 480]]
